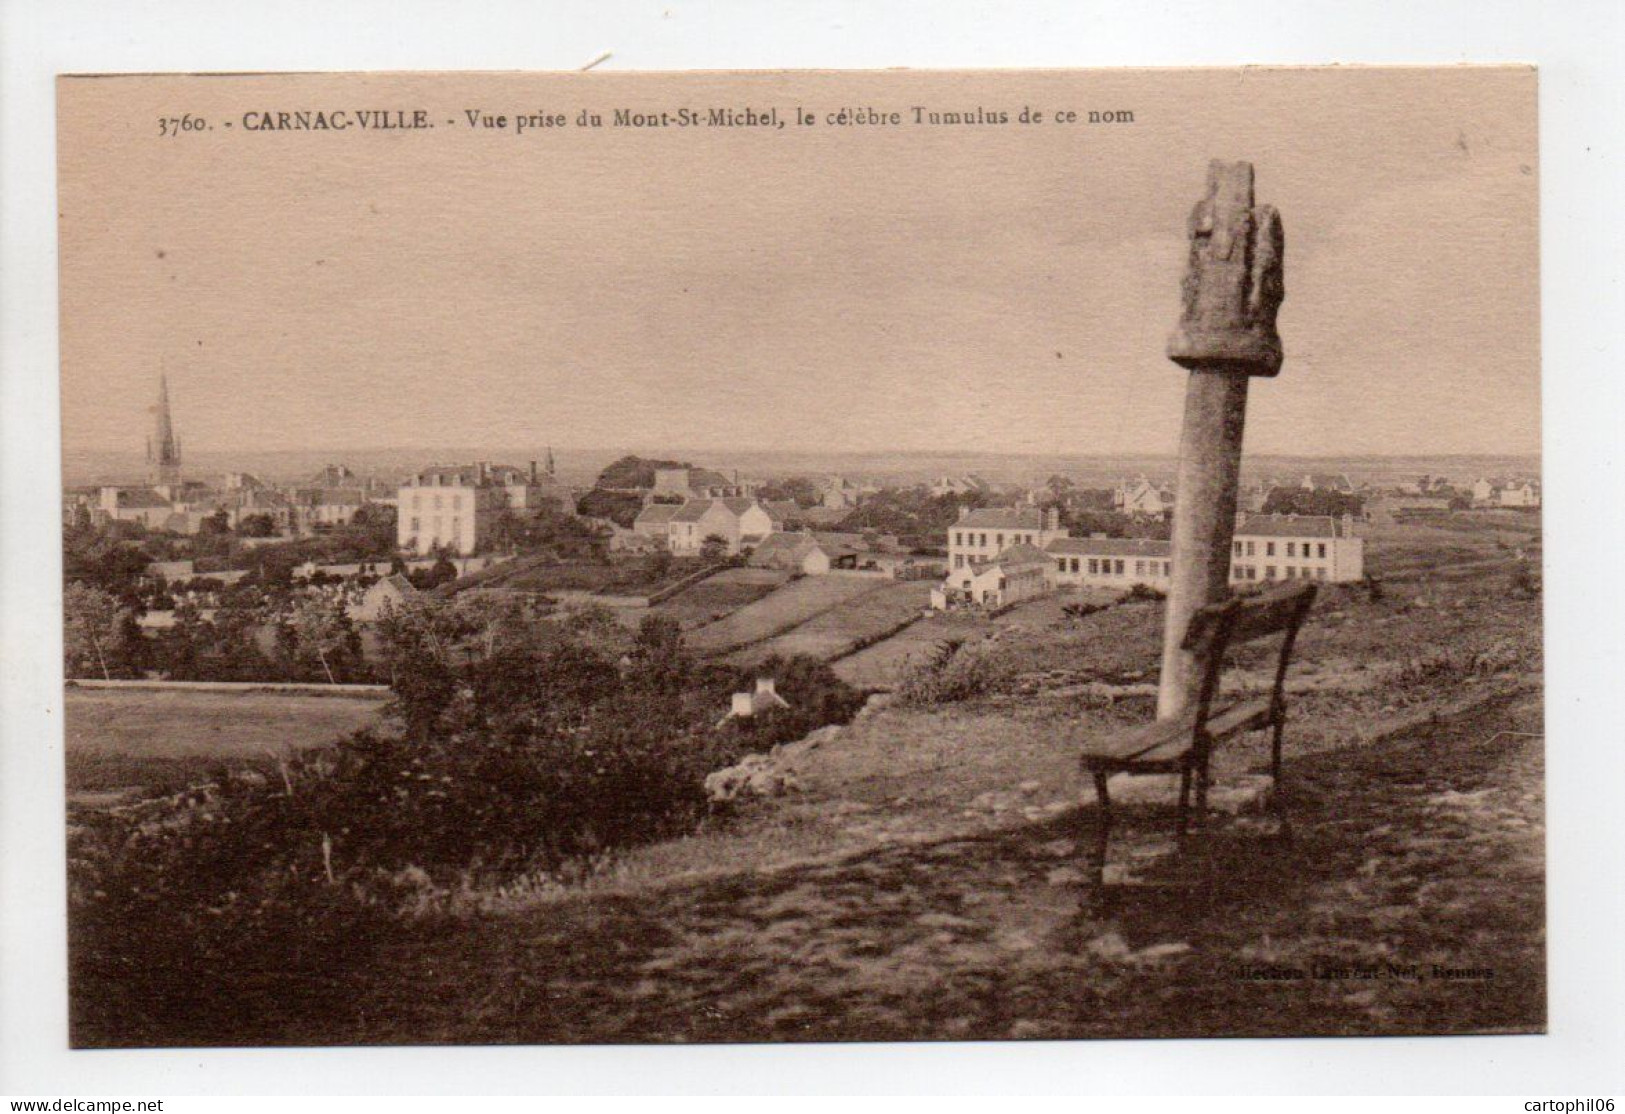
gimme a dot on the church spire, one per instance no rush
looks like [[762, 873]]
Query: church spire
[[164, 451]]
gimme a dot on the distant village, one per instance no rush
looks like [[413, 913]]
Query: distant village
[[372, 542]]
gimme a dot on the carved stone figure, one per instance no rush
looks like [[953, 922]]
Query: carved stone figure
[[1233, 286]]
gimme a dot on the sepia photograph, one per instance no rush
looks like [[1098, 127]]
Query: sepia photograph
[[801, 556]]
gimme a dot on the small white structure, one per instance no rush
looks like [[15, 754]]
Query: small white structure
[[758, 700]]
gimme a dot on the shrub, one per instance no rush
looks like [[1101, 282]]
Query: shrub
[[953, 673], [1142, 592]]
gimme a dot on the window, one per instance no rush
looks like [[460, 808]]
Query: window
[[1139, 568], [1120, 566], [1060, 564], [1000, 539], [1320, 574], [1074, 564], [1094, 566], [959, 560], [1291, 549], [984, 539], [1238, 549], [1167, 568], [1322, 548], [1269, 572], [1250, 549], [417, 527], [959, 538], [1269, 549]]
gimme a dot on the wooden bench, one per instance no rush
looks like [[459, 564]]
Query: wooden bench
[[1183, 744]]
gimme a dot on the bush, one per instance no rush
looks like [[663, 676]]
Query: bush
[[953, 673], [1143, 592]]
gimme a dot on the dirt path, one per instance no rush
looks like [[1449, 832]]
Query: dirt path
[[1410, 857]]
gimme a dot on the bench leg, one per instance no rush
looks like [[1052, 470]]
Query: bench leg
[[1279, 728], [1185, 800], [1201, 790], [1096, 870]]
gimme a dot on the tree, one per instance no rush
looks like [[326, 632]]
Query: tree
[[322, 628], [94, 629], [215, 524], [256, 526], [714, 548], [633, 472], [658, 657]]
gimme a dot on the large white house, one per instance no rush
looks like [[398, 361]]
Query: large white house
[[450, 507], [1266, 547], [981, 535]]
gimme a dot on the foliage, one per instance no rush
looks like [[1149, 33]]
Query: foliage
[[713, 549], [953, 673], [620, 507], [1296, 500], [804, 491], [631, 472], [1143, 592], [256, 526], [96, 632], [1526, 580], [911, 512]]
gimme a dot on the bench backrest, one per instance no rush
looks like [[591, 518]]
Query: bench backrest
[[1215, 628]]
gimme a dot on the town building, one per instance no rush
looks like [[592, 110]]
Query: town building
[[1144, 499], [654, 520], [981, 535], [1296, 547], [740, 522], [1265, 548], [389, 593], [807, 553], [452, 508], [1018, 573], [699, 483]]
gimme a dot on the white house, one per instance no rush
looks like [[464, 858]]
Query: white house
[[740, 522], [392, 591], [1525, 494], [452, 507], [1296, 547], [1109, 562], [981, 535], [1019, 573], [1144, 498]]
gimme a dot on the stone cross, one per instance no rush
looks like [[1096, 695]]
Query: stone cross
[[1232, 291]]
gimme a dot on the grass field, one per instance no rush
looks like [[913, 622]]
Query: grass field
[[789, 607], [164, 740], [1462, 539], [716, 597], [852, 622]]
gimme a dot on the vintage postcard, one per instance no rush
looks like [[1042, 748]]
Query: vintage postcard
[[801, 556]]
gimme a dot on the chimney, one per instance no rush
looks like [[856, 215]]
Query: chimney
[[533, 471], [764, 687], [1052, 519], [963, 510], [743, 704]]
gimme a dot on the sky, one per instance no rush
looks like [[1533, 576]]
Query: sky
[[828, 288]]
